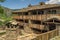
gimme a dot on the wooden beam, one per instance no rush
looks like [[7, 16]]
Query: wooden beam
[[51, 22]]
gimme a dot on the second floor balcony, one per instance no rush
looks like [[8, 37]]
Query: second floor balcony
[[37, 17]]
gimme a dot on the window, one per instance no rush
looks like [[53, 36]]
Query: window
[[11, 26], [51, 11], [54, 11], [26, 21], [40, 12], [25, 13], [21, 27], [34, 12], [19, 13], [19, 20], [36, 22]]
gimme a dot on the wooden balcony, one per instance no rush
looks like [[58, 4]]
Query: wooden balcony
[[17, 17], [49, 16], [32, 17], [32, 25], [44, 17], [25, 16], [41, 27], [48, 35], [37, 17], [44, 36], [21, 17]]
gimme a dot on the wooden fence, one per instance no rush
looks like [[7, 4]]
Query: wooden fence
[[47, 35], [43, 36]]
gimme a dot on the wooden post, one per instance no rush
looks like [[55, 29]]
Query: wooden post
[[58, 29], [47, 26], [37, 15], [47, 36], [41, 22], [53, 20], [22, 15]]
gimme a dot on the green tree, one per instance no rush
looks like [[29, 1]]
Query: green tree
[[2, 0], [1, 9], [3, 17]]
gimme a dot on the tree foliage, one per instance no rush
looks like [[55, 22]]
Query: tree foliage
[[2, 0], [3, 17], [1, 9]]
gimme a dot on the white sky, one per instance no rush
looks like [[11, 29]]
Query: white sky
[[53, 2]]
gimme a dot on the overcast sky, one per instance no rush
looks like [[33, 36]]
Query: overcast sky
[[18, 4], [53, 2]]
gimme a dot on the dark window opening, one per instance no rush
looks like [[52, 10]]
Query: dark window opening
[[51, 11], [34, 12], [21, 27], [43, 23], [25, 13], [54, 11], [19, 20], [57, 21], [40, 12], [36, 22], [19, 13], [26, 21], [15, 26], [11, 26], [8, 26]]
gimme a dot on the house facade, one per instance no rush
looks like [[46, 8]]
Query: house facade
[[41, 18]]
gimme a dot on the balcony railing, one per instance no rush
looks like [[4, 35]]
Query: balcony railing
[[52, 16], [48, 35], [25, 17], [41, 27], [16, 17], [44, 36], [37, 17], [32, 25]]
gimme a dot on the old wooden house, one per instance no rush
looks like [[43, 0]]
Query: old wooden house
[[42, 17]]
